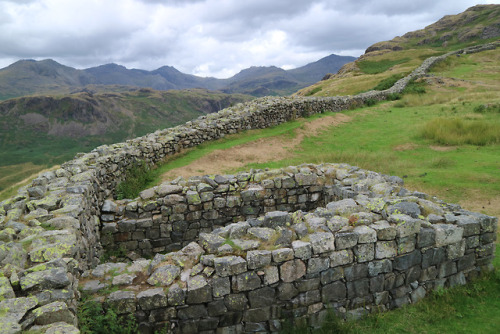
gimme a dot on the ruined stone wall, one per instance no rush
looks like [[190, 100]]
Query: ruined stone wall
[[375, 247], [50, 232]]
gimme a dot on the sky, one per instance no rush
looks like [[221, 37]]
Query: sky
[[206, 37]]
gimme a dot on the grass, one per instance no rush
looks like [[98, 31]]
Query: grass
[[136, 179], [459, 131], [191, 155], [375, 67]]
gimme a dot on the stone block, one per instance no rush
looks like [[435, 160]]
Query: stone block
[[447, 234], [385, 249], [229, 265], [358, 288], [282, 255], [364, 252], [292, 270], [221, 286], [331, 275], [317, 264], [379, 267], [122, 301], [262, 297], [403, 262], [258, 258], [365, 234], [339, 258], [152, 299], [470, 225], [426, 238], [356, 271], [246, 281], [302, 250], [346, 240], [334, 292], [404, 224], [322, 242], [236, 302], [384, 230], [456, 250]]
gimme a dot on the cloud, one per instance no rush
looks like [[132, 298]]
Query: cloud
[[206, 37]]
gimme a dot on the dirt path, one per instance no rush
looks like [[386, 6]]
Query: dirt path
[[262, 150]]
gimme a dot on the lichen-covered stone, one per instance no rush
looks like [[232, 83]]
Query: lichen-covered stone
[[322, 242], [447, 234], [258, 258], [54, 312], [229, 265], [164, 275]]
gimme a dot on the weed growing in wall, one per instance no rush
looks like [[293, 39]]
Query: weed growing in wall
[[93, 318], [136, 179]]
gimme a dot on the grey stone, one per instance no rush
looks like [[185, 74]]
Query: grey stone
[[211, 242], [6, 290], [385, 249], [277, 218], [152, 299], [345, 240], [426, 238], [317, 264], [176, 296], [364, 252], [404, 262], [122, 301], [456, 250], [221, 286], [282, 255], [322, 242], [164, 275], [198, 290], [54, 312], [379, 267], [258, 258], [470, 225], [229, 265], [356, 271], [343, 207], [262, 297], [405, 225], [339, 258], [262, 233], [407, 208], [245, 282], [333, 292], [331, 275], [236, 302], [365, 234], [193, 312], [292, 270], [46, 279], [447, 234]]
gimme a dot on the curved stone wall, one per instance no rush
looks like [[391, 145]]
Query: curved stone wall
[[360, 243], [50, 233]]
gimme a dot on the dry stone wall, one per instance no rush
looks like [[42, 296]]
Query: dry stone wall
[[372, 247], [51, 231]]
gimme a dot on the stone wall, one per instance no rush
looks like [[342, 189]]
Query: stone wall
[[377, 246], [50, 232]]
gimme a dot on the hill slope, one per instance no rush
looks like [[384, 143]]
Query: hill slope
[[46, 130], [385, 62]]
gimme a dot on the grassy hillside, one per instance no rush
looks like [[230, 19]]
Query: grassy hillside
[[401, 138], [41, 131]]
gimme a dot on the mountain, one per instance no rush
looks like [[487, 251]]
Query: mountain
[[385, 62], [27, 77], [477, 24]]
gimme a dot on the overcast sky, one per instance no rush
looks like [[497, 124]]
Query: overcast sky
[[206, 37]]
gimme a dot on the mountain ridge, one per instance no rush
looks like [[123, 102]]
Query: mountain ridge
[[28, 77]]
